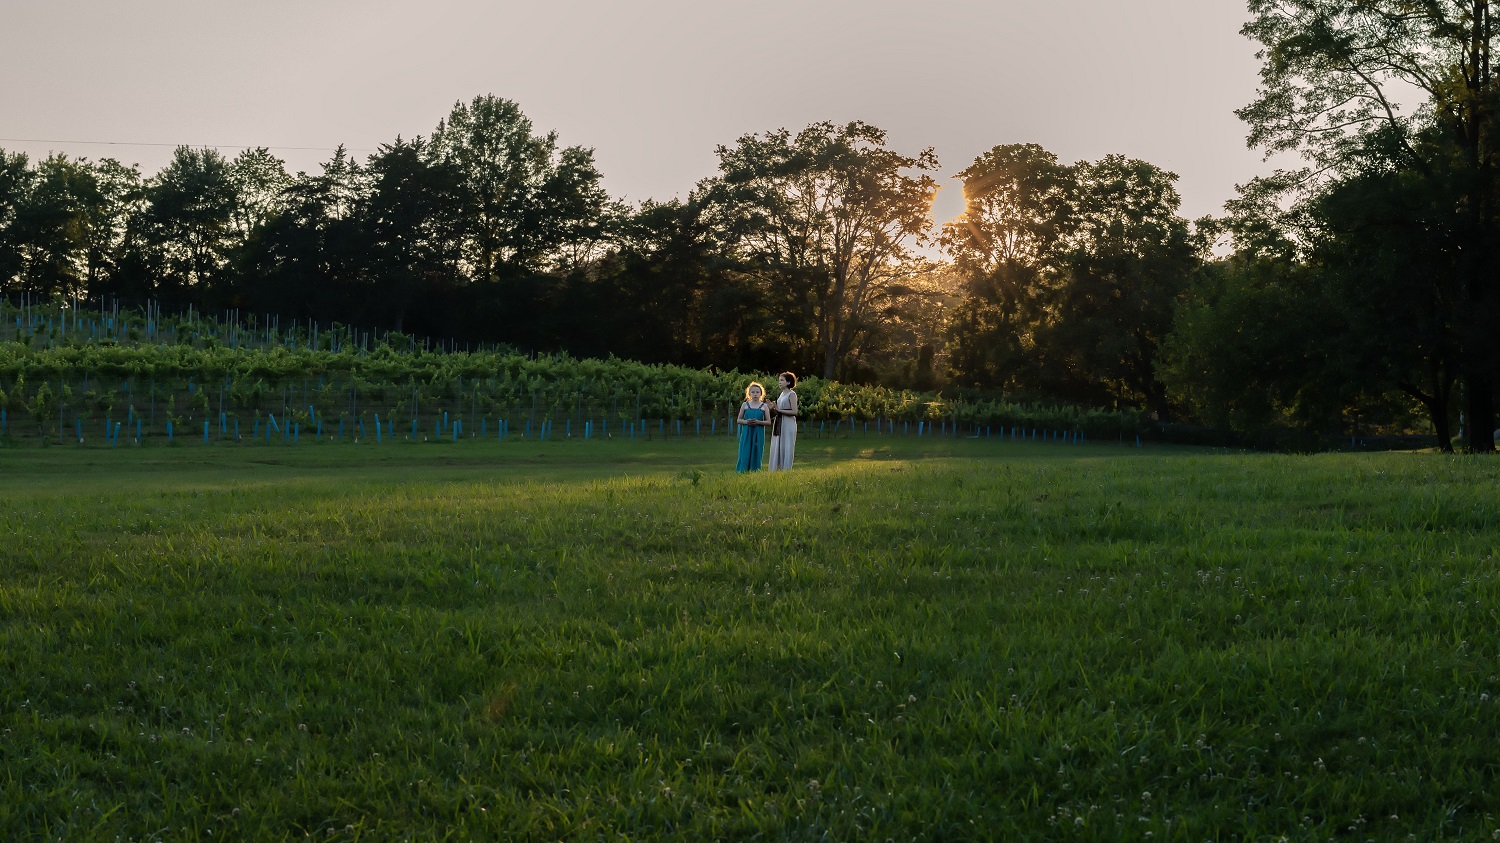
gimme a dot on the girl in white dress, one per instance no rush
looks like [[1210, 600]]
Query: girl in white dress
[[784, 430]]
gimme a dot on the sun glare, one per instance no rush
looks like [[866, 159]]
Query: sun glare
[[947, 205]]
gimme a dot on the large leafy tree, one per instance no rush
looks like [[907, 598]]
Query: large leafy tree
[[260, 182], [1238, 357], [63, 225], [310, 257], [528, 204], [115, 198], [1339, 82], [1124, 265], [1072, 274], [1017, 202], [1337, 308], [188, 224], [1385, 250], [49, 229], [825, 219], [1265, 341], [412, 224]]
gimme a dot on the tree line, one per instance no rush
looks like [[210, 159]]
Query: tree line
[[1358, 294], [802, 251]]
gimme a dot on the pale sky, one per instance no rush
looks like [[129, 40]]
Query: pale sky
[[653, 86]]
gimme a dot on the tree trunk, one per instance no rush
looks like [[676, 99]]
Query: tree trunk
[[1479, 382], [1444, 435], [1480, 411], [1437, 410]]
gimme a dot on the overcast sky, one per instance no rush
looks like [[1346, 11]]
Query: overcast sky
[[653, 86]]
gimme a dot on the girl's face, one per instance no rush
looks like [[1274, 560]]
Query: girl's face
[[755, 393], [784, 385]]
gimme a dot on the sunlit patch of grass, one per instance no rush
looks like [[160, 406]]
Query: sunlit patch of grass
[[898, 639]]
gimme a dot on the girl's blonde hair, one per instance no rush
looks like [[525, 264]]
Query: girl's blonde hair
[[753, 385]]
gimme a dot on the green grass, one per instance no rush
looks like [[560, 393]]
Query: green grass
[[615, 640]]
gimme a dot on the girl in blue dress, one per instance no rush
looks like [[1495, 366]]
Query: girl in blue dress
[[755, 417]]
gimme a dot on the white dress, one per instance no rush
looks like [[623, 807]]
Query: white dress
[[783, 444]]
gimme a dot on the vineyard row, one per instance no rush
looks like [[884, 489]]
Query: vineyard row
[[59, 383]]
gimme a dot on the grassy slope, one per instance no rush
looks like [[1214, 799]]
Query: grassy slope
[[898, 639]]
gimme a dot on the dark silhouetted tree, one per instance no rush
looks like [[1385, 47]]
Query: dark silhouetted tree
[[825, 219], [1334, 76], [188, 225], [529, 206]]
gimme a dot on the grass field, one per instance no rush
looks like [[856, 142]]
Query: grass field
[[900, 639]]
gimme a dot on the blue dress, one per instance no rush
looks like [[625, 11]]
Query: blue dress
[[752, 441]]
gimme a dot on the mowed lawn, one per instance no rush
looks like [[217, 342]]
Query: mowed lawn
[[900, 639]]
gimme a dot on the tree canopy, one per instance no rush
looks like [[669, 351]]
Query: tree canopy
[[825, 219], [1388, 98], [1072, 275]]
